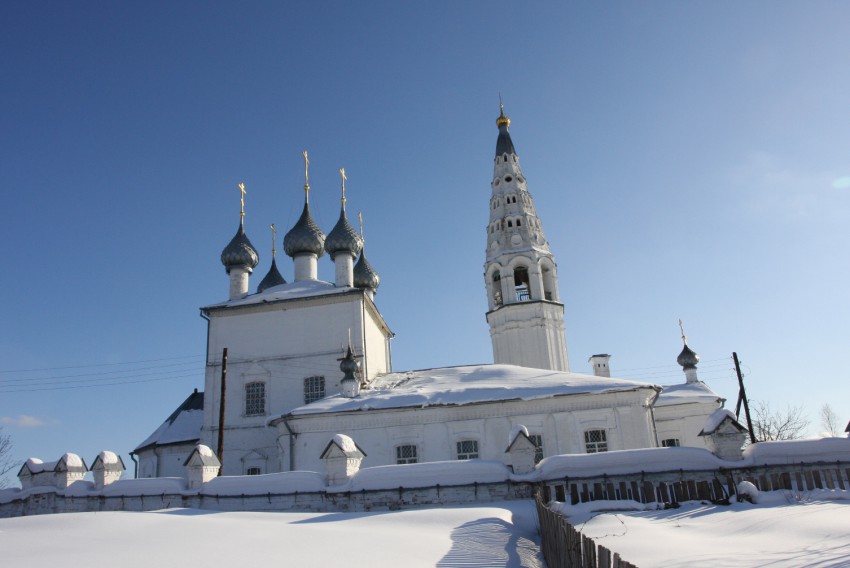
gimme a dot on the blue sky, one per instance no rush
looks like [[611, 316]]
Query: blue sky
[[688, 160]]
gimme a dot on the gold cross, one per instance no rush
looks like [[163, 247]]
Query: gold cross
[[360, 216], [274, 232], [306, 173], [242, 192], [342, 173], [684, 339]]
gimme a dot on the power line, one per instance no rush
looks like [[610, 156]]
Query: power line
[[99, 364], [37, 379], [100, 385]]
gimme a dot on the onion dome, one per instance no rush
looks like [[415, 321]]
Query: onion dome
[[688, 359], [239, 252], [364, 275], [343, 238], [348, 366], [305, 237], [504, 144], [273, 278]]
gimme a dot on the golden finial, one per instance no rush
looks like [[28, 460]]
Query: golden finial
[[360, 216], [306, 177], [274, 233], [342, 173], [681, 327], [242, 191], [503, 119]]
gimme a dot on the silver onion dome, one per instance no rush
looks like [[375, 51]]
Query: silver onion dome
[[688, 358], [305, 237], [343, 238], [239, 252], [273, 278], [364, 275]]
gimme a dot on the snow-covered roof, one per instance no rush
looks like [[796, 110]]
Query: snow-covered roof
[[283, 292], [472, 384], [183, 426], [206, 457], [716, 418], [687, 392], [108, 461]]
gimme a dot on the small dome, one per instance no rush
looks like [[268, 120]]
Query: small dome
[[364, 275], [349, 365], [305, 237], [343, 238], [688, 358], [239, 252], [273, 278]]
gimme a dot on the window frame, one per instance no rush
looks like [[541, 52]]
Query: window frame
[[471, 453], [312, 392], [595, 446], [671, 443], [255, 402], [537, 440], [412, 454]]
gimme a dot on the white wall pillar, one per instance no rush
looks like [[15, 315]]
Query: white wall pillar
[[535, 282], [306, 267], [239, 282], [344, 270]]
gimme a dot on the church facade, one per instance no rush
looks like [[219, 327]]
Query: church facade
[[302, 361]]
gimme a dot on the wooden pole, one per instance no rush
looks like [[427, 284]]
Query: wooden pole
[[743, 397], [221, 410]]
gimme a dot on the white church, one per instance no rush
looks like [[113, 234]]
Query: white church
[[289, 388]]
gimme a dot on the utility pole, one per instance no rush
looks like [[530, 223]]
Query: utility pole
[[742, 397], [221, 409]]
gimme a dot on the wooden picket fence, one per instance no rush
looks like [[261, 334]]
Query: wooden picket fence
[[565, 547], [712, 485]]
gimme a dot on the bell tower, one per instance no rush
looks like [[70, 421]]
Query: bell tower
[[526, 316]]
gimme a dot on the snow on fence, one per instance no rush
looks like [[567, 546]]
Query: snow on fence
[[565, 547], [715, 485]]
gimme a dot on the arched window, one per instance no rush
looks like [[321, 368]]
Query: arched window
[[519, 223], [510, 224], [497, 288], [521, 284]]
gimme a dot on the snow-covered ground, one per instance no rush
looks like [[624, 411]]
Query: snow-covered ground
[[784, 529], [502, 534]]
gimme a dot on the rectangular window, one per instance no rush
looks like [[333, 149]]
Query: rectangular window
[[467, 450], [537, 440], [405, 454], [595, 441], [670, 443], [314, 389], [253, 471], [255, 399]]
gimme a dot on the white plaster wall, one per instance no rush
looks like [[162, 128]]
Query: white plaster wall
[[435, 431], [683, 421], [529, 334], [281, 345]]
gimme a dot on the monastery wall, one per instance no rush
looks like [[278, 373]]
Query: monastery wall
[[656, 474]]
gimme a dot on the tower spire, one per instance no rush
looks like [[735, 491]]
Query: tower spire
[[519, 270]]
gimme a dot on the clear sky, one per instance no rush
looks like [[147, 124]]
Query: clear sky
[[687, 159]]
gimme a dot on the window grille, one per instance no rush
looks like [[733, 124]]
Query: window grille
[[253, 471], [595, 441], [670, 443], [314, 389], [537, 440], [406, 454], [255, 399], [467, 450]]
